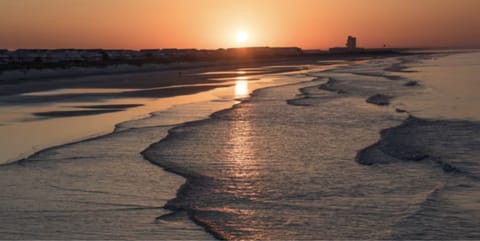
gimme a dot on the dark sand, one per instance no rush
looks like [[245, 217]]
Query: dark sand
[[97, 109], [102, 109], [329, 86], [379, 99], [119, 106], [72, 113], [411, 83]]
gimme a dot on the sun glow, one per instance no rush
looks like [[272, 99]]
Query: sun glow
[[241, 37]]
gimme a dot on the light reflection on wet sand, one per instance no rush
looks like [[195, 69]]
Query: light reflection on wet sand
[[24, 134], [21, 138], [241, 87]]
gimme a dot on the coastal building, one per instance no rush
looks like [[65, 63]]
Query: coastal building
[[73, 57], [121, 54], [92, 55], [288, 51], [61, 55], [263, 52], [351, 46], [351, 42], [27, 55], [4, 56]]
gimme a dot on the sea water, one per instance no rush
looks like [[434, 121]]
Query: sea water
[[317, 161]]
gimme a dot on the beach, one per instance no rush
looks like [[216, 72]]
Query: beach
[[101, 187], [32, 108], [354, 149]]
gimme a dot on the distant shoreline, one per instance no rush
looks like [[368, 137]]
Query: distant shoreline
[[13, 74], [67, 58]]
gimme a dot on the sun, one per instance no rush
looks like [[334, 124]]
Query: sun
[[241, 37]]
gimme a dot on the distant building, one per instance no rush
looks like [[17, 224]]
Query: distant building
[[351, 42], [288, 51], [4, 56], [351, 46], [152, 53], [263, 52], [115, 56]]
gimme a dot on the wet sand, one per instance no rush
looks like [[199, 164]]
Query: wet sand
[[54, 114], [91, 110], [29, 107], [149, 79]]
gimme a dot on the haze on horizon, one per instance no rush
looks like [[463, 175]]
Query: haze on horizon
[[309, 24]]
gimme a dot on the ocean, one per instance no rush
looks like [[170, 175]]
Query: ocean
[[384, 148]]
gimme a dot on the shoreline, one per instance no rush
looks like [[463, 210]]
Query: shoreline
[[189, 179], [193, 179], [120, 128], [166, 86], [102, 128], [14, 76], [117, 125]]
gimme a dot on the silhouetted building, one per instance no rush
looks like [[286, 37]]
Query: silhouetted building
[[351, 46], [351, 42], [4, 56]]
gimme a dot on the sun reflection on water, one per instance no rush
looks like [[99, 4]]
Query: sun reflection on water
[[243, 168], [241, 87]]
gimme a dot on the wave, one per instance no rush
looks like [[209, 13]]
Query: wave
[[450, 145]]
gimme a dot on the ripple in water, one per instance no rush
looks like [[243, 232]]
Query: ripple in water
[[283, 167]]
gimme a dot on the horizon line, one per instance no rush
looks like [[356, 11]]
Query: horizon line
[[248, 47]]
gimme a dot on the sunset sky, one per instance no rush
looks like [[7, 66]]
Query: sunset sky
[[137, 24]]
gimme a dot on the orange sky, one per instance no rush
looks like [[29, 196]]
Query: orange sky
[[136, 24]]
